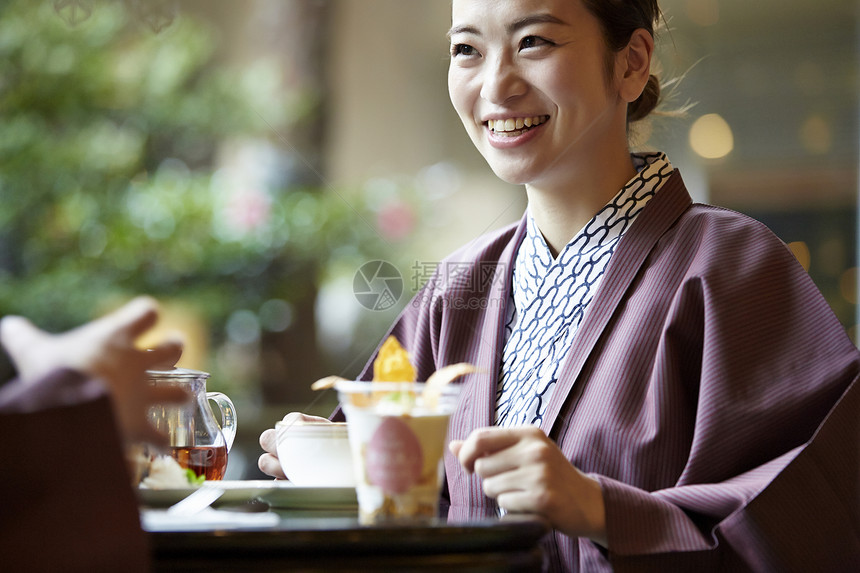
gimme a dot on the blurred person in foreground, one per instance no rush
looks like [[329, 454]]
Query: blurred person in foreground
[[667, 386], [66, 501]]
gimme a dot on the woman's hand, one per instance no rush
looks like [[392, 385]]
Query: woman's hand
[[104, 349], [268, 462], [526, 473]]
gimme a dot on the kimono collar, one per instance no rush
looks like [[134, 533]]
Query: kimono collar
[[607, 225]]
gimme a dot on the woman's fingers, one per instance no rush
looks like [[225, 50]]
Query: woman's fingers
[[270, 465], [512, 479], [269, 437], [454, 446], [483, 442], [486, 442], [269, 441], [268, 462], [519, 501]]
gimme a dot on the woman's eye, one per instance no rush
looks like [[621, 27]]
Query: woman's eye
[[532, 42], [463, 50]]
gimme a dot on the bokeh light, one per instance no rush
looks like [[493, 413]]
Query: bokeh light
[[801, 253], [816, 135], [711, 137]]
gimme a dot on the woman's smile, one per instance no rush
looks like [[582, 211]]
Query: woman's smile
[[514, 127], [511, 132], [529, 82]]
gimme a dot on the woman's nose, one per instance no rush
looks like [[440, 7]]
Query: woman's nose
[[502, 81]]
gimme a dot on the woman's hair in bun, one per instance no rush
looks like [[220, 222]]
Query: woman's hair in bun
[[646, 102], [619, 19]]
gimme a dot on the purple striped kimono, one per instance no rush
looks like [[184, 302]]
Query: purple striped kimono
[[707, 389]]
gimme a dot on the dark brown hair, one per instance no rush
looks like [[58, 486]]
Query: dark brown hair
[[618, 20]]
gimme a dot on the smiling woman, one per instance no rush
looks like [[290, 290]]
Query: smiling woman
[[660, 380], [553, 63]]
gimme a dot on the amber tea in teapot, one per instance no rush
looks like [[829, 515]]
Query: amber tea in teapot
[[208, 461], [196, 441]]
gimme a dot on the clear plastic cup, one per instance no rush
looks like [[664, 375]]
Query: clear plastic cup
[[397, 434]]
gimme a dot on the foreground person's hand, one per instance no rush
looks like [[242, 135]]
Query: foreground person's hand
[[268, 462], [104, 349], [526, 473]]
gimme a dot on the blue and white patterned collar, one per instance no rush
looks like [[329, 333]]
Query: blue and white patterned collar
[[550, 297], [607, 225]]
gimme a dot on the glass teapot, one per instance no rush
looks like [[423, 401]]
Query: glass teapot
[[197, 442]]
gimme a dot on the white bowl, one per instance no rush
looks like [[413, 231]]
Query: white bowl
[[315, 454]]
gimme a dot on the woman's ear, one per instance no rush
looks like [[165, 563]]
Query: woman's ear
[[633, 65]]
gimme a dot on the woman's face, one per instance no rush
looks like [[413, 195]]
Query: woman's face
[[528, 80]]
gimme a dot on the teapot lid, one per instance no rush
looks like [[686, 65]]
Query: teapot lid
[[174, 373]]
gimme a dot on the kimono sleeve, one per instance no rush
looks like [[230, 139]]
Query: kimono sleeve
[[799, 512], [770, 479]]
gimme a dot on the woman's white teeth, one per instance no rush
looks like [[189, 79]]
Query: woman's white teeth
[[515, 124]]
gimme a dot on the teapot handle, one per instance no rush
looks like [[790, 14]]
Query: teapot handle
[[228, 416]]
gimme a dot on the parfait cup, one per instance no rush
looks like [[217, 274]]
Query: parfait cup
[[397, 433]]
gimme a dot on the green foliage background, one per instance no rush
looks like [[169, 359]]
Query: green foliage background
[[108, 147]]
